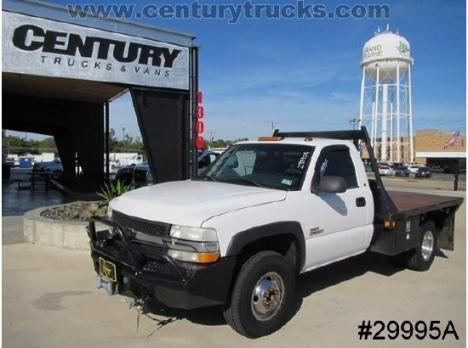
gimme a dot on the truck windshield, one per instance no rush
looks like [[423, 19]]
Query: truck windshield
[[278, 166]]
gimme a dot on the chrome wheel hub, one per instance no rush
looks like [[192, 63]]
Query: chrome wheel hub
[[267, 296], [427, 246]]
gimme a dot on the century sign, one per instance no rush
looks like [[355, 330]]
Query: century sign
[[44, 47]]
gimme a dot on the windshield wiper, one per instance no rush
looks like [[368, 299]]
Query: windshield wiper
[[211, 178]]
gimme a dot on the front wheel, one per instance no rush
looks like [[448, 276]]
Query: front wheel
[[263, 295]]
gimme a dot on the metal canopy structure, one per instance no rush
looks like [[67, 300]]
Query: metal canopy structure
[[59, 73], [61, 88]]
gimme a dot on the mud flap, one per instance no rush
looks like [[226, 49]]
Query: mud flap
[[446, 236]]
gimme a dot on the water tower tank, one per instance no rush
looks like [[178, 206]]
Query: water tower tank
[[385, 50]]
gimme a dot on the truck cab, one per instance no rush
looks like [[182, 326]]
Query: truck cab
[[264, 212]]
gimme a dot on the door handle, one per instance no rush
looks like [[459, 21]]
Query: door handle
[[360, 202]]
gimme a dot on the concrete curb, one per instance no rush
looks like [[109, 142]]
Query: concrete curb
[[61, 234]]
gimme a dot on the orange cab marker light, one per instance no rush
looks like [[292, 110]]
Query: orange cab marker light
[[208, 257], [270, 138], [389, 223]]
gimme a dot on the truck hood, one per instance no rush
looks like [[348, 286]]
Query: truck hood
[[191, 202]]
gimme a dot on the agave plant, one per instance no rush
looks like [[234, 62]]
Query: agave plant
[[110, 190]]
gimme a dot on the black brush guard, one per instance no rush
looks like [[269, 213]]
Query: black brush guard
[[117, 232], [174, 284]]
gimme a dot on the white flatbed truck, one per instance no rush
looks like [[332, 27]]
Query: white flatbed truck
[[265, 212]]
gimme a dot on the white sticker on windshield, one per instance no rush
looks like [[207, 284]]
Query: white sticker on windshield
[[286, 182], [303, 160]]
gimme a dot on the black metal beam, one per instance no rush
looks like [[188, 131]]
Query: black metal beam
[[107, 139], [342, 135], [193, 109]]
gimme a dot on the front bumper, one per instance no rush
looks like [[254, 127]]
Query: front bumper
[[147, 271]]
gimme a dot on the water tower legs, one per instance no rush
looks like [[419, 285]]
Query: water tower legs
[[398, 112], [410, 117]]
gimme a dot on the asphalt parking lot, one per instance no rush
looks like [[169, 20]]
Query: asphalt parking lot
[[50, 300]]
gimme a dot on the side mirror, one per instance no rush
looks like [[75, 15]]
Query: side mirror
[[332, 184]]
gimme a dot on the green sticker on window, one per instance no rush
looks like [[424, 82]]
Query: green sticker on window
[[286, 182]]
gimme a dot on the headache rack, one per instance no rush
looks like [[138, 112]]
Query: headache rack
[[385, 207]]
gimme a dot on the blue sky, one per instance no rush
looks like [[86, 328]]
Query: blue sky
[[305, 74]]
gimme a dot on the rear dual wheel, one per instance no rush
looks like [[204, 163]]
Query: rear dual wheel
[[422, 257]]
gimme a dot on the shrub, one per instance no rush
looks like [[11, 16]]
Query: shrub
[[111, 190]]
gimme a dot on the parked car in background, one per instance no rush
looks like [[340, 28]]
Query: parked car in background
[[402, 171], [125, 175], [413, 168], [423, 172], [385, 169], [140, 175], [54, 167], [137, 175]]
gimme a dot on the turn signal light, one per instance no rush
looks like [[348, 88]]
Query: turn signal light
[[190, 256], [389, 223], [208, 257]]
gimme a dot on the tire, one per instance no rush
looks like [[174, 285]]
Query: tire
[[246, 313], [422, 257]]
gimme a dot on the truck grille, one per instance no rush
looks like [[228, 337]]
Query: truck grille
[[136, 229]]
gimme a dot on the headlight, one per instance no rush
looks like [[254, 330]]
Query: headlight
[[197, 234], [194, 244]]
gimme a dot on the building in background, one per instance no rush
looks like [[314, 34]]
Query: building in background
[[441, 149]]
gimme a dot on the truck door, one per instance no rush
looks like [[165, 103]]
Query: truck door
[[337, 225]]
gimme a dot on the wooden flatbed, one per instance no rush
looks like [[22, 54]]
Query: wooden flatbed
[[410, 203]]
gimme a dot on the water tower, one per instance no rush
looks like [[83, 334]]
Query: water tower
[[385, 105]]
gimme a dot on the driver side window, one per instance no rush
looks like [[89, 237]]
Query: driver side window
[[337, 162]]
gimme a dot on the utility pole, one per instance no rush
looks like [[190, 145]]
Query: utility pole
[[211, 140], [354, 122], [123, 134]]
